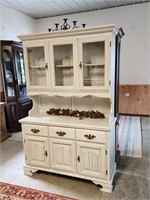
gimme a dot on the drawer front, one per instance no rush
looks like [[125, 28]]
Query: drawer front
[[90, 136], [59, 132], [35, 130]]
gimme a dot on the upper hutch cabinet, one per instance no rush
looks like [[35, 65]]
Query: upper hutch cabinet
[[76, 63], [14, 82]]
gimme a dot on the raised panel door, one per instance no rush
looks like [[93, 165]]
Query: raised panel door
[[63, 155], [91, 160], [37, 153]]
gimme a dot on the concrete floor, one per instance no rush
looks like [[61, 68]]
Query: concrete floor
[[132, 180]]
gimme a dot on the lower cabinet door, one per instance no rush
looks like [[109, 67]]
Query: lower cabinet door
[[91, 159], [63, 156], [36, 149]]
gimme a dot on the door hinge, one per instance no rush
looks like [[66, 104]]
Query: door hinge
[[110, 44], [109, 82], [24, 141], [26, 157], [106, 152], [106, 172]]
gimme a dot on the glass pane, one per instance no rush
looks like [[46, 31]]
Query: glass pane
[[37, 66], [63, 62], [8, 73], [20, 73], [93, 64]]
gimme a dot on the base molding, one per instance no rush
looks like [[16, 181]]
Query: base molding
[[29, 171], [104, 185]]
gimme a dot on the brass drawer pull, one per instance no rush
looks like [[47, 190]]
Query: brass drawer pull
[[90, 137], [34, 130], [60, 133]]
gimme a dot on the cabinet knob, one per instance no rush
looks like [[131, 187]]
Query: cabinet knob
[[117, 123], [78, 159], [34, 130], [46, 66], [45, 153], [60, 133], [90, 137], [80, 65]]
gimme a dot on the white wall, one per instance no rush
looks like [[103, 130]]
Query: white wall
[[135, 51], [13, 23]]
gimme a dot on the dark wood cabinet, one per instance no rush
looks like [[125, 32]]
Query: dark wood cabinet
[[3, 130], [14, 83]]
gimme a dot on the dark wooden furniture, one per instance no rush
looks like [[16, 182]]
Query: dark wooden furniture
[[14, 83], [3, 130]]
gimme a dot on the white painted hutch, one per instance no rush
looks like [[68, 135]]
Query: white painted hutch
[[75, 70]]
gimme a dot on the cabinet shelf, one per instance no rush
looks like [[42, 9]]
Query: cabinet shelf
[[9, 83], [94, 64], [72, 122], [36, 67], [64, 66]]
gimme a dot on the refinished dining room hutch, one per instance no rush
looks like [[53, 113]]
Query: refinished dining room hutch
[[72, 81]]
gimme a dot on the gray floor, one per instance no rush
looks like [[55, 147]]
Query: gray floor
[[132, 180]]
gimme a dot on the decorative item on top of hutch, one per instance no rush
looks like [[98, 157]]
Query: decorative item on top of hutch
[[14, 82], [65, 26], [71, 78]]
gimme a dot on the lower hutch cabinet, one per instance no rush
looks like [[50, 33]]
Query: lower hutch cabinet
[[71, 79]]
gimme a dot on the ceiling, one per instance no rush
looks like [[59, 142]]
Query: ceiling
[[49, 8]]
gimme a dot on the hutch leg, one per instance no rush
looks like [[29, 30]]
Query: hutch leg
[[29, 171]]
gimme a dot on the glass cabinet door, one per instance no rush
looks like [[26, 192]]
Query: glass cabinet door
[[37, 66], [8, 73], [20, 73], [63, 65], [92, 63]]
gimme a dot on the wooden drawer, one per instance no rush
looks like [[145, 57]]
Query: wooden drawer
[[35, 130], [90, 135], [59, 132]]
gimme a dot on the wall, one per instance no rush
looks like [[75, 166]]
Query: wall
[[13, 23], [135, 51], [134, 99]]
